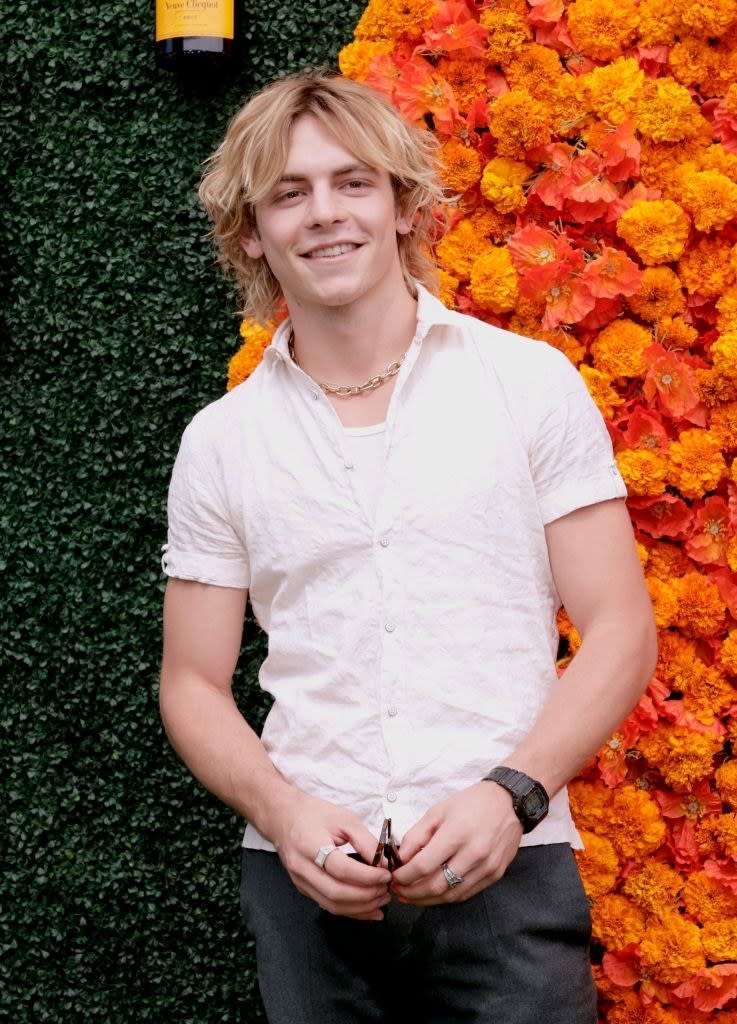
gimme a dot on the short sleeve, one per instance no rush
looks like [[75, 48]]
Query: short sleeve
[[204, 542], [571, 455]]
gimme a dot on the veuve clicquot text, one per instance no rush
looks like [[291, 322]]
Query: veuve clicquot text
[[194, 34]]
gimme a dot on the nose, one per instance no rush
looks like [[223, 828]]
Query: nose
[[326, 206]]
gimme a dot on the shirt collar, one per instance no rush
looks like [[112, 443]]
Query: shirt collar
[[430, 312]]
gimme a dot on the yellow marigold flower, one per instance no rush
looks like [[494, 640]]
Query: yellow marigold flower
[[710, 20], [643, 471], [502, 182], [508, 31], [666, 112], [447, 288], [458, 250], [670, 950], [616, 921], [655, 887], [601, 390], [706, 899], [659, 296], [726, 779], [719, 939], [657, 229], [246, 359], [600, 29], [618, 349], [664, 600], [724, 426], [727, 319], [569, 105], [717, 158], [535, 68], [694, 62], [494, 281], [659, 22], [519, 122], [706, 269], [614, 90], [590, 804], [461, 165], [598, 864], [700, 605], [681, 755], [354, 60], [711, 199], [395, 19], [728, 656], [696, 462], [675, 333], [633, 823], [467, 79]]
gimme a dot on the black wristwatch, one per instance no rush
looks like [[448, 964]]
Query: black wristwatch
[[529, 799]]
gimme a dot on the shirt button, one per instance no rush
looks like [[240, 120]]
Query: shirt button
[[384, 542], [390, 627], [315, 394], [348, 464], [392, 711], [391, 796]]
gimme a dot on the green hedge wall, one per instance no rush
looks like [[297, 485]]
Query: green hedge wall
[[120, 881]]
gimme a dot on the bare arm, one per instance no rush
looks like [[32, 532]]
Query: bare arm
[[203, 626], [600, 581]]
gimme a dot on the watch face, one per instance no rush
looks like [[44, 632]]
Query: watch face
[[534, 804]]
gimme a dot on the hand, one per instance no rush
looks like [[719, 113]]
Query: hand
[[476, 831], [344, 886]]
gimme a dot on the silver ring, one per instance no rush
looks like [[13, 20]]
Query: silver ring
[[450, 876], [323, 853]]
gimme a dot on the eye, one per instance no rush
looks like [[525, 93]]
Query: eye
[[356, 184], [288, 196]]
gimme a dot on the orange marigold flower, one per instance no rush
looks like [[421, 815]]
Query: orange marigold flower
[[659, 22], [666, 111], [723, 352], [519, 122], [644, 472], [354, 60], [395, 19], [681, 755], [657, 229], [461, 165], [655, 887], [706, 269], [535, 68], [467, 79], [614, 90], [664, 600], [694, 62], [568, 103], [726, 780], [601, 390], [494, 281], [706, 899], [674, 333], [670, 949], [502, 181], [249, 355], [667, 561], [696, 462], [447, 288], [568, 631], [590, 804], [700, 606], [508, 31], [728, 655], [619, 348], [713, 387], [711, 199], [719, 939], [717, 834], [460, 247], [600, 29], [709, 696], [616, 921], [659, 296], [717, 158], [633, 823], [598, 864], [708, 20], [727, 319]]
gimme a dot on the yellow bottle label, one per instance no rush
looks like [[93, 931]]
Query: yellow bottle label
[[185, 18]]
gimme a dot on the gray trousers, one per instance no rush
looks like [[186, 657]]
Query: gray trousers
[[516, 953]]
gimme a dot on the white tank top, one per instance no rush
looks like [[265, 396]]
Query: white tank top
[[365, 447]]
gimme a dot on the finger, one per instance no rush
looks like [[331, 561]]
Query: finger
[[416, 838], [347, 869]]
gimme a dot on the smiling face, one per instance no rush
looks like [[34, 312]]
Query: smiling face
[[328, 228]]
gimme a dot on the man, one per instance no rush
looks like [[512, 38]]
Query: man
[[408, 494]]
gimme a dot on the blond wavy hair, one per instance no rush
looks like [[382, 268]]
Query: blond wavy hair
[[252, 156]]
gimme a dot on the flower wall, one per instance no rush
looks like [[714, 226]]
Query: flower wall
[[592, 148]]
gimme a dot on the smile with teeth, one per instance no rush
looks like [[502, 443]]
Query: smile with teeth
[[330, 250]]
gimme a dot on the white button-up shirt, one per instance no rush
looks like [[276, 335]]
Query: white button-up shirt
[[408, 653]]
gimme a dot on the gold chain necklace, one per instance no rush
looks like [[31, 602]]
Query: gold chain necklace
[[348, 390]]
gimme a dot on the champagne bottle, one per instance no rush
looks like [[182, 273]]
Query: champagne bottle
[[193, 35]]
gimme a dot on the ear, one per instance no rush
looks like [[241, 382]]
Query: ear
[[403, 222], [251, 243]]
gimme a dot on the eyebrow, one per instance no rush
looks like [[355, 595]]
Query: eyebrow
[[339, 173]]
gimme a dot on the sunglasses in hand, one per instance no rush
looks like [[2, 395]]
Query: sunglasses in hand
[[387, 848]]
